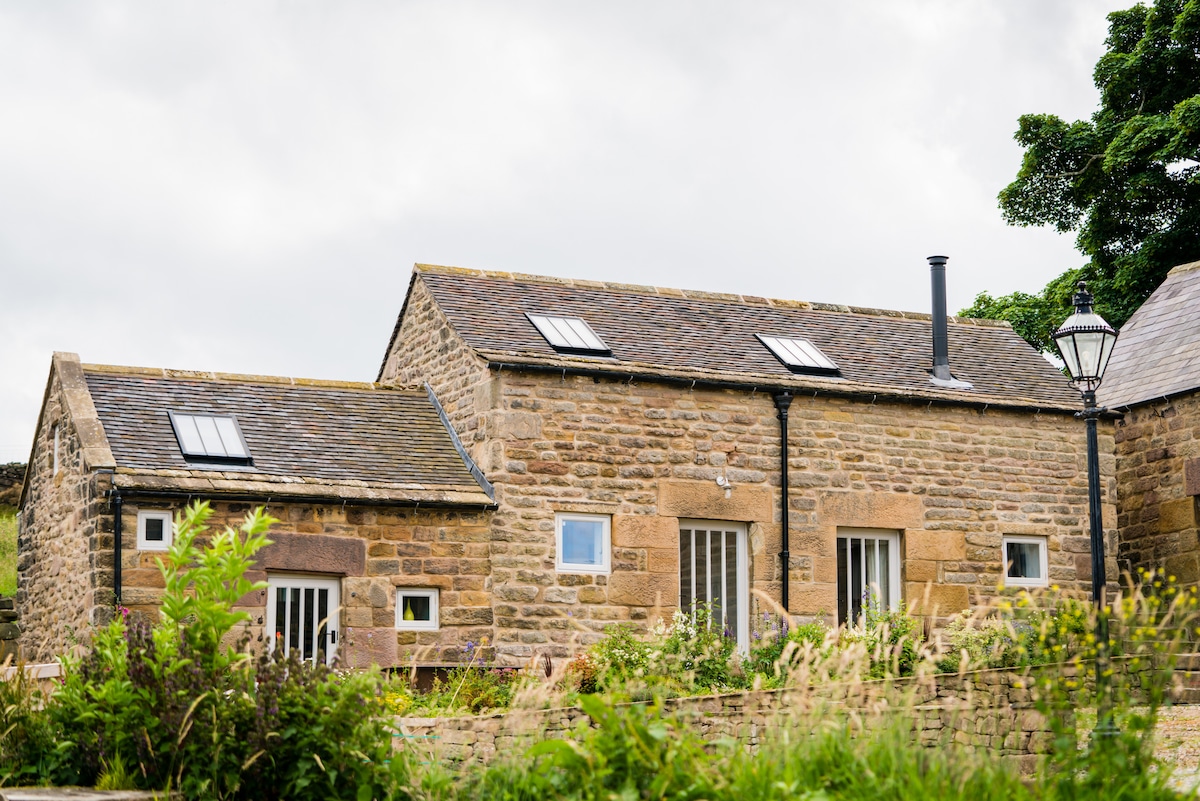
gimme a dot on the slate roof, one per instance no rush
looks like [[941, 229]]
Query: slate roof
[[702, 335], [1158, 351], [302, 434]]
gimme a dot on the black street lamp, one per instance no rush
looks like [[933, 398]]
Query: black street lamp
[[1086, 341]]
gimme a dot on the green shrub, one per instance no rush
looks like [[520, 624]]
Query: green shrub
[[469, 688], [175, 706]]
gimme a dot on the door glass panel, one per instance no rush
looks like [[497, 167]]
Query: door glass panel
[[280, 617], [293, 638], [686, 596], [322, 621], [716, 595]]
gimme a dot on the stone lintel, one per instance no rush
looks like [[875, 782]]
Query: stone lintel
[[890, 510], [706, 501], [314, 553]]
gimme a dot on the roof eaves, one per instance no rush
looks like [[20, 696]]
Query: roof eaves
[[500, 360], [184, 483]]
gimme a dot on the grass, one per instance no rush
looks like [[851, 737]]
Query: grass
[[8, 550]]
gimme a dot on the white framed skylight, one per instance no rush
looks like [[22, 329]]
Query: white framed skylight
[[569, 334], [798, 354], [210, 436]]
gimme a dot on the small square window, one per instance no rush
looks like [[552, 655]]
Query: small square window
[[1025, 561], [583, 543], [154, 531], [417, 609]]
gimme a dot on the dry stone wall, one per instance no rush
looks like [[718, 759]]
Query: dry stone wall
[[1158, 479], [990, 710], [11, 477]]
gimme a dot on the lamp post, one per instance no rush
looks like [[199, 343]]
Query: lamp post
[[1086, 341]]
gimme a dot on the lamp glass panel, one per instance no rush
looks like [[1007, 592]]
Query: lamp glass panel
[[1066, 346]]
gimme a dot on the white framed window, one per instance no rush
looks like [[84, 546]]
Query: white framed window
[[154, 531], [714, 570], [302, 616], [582, 543], [868, 561], [417, 609], [1025, 561]]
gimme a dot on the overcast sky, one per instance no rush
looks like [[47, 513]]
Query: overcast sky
[[244, 186]]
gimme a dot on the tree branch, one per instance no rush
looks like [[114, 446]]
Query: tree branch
[[1080, 171]]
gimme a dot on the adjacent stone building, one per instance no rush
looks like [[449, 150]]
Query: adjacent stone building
[[1153, 380], [362, 478], [581, 453]]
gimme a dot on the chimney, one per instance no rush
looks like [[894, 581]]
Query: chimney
[[941, 350]]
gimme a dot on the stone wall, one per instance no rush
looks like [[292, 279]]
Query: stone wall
[[64, 557], [1158, 480], [373, 550], [950, 481], [989, 709], [11, 477]]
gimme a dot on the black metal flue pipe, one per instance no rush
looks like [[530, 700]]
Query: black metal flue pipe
[[941, 347]]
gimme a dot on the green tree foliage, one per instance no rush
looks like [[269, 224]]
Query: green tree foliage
[[1128, 180]]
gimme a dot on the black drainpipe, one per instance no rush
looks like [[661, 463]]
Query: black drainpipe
[[116, 507], [782, 401]]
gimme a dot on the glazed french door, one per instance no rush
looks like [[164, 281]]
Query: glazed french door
[[868, 562], [714, 570], [302, 615]]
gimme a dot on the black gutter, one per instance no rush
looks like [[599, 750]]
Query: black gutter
[[320, 499], [749, 386], [117, 530], [782, 401]]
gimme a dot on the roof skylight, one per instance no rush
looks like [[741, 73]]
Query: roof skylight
[[568, 334], [798, 354], [210, 436]]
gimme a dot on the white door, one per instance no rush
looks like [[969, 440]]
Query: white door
[[714, 570], [302, 615]]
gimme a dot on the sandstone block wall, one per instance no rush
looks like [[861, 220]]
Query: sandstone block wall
[[64, 555], [1158, 480], [990, 710], [950, 481], [372, 550]]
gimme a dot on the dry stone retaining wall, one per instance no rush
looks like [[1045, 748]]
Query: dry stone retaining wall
[[988, 709]]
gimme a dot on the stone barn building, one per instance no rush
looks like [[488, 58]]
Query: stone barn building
[[635, 437], [579, 453]]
